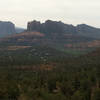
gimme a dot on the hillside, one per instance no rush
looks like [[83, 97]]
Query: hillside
[[69, 43], [28, 55], [60, 39]]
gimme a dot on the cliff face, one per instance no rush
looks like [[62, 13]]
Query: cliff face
[[6, 28], [51, 27], [34, 26]]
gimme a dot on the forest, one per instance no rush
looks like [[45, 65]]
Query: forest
[[67, 79]]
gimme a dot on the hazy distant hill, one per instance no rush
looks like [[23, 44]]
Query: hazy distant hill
[[19, 30], [6, 28]]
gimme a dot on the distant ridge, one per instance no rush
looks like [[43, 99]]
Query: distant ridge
[[50, 27], [19, 30]]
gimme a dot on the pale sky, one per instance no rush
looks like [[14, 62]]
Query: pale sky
[[69, 11]]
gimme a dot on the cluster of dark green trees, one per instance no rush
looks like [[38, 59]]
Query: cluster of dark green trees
[[25, 76], [73, 79]]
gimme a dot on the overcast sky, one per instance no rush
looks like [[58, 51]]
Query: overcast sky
[[68, 11]]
